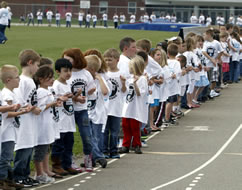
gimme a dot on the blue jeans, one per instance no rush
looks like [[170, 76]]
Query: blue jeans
[[6, 159], [22, 163], [105, 23], [82, 121], [233, 66], [80, 23], [111, 134], [2, 33], [96, 130], [94, 24], [62, 148], [87, 24], [57, 23], [68, 24], [240, 64]]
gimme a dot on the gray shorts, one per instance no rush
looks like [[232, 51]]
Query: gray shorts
[[40, 151]]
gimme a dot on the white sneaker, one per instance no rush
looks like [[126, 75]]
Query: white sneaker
[[44, 179], [214, 94], [144, 144]]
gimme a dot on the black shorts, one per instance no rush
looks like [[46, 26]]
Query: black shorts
[[172, 99]]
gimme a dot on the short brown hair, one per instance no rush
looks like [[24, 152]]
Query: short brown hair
[[111, 53], [183, 60], [77, 56], [144, 44], [45, 61], [199, 38], [223, 35], [8, 71], [104, 67], [93, 62], [210, 32], [125, 42], [172, 49], [28, 55], [4, 4]]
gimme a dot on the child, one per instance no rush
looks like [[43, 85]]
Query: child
[[26, 92], [135, 110], [10, 125], [46, 128], [110, 145], [81, 80], [61, 155], [173, 85]]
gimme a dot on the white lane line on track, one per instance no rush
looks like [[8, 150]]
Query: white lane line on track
[[98, 168], [203, 165], [189, 188]]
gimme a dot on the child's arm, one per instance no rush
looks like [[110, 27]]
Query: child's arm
[[136, 78], [103, 86], [210, 58], [159, 80], [20, 112], [123, 80], [230, 46]]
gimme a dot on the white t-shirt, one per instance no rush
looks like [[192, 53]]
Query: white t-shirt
[[194, 19], [225, 48], [30, 16], [45, 122], [175, 68], [68, 16], [105, 17], [192, 60], [97, 111], [168, 18], [39, 15], [220, 20], [239, 21], [123, 66], [240, 55], [116, 96], [26, 94], [10, 14], [88, 17], [4, 16], [132, 19], [202, 59], [80, 16], [146, 18], [122, 18], [201, 19], [57, 16], [173, 19], [81, 80], [231, 20], [94, 18], [1, 118], [11, 125], [164, 91], [115, 18], [136, 107], [49, 15], [208, 21], [236, 45], [66, 112], [213, 49], [153, 17]]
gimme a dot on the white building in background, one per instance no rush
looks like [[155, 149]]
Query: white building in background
[[184, 8]]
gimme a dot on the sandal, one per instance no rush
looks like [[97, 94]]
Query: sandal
[[56, 176]]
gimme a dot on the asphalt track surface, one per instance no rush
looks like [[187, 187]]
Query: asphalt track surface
[[204, 152]]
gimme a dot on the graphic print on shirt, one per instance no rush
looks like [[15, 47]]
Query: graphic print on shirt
[[55, 111], [210, 51], [91, 104], [131, 93], [16, 122], [68, 107], [201, 58], [115, 89], [79, 84], [32, 99]]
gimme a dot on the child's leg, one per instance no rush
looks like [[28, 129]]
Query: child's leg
[[40, 153], [127, 132], [135, 130], [168, 110], [198, 92], [114, 132], [106, 144]]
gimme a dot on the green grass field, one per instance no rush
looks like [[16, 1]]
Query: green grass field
[[51, 41]]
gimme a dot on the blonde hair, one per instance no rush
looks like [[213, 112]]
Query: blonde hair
[[144, 44], [8, 72], [163, 58], [137, 65], [4, 4], [111, 53], [190, 42], [93, 62]]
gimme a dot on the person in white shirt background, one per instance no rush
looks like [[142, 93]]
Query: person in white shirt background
[[10, 14], [132, 18], [94, 20], [231, 19], [193, 19], [88, 20], [49, 15], [105, 19], [208, 21], [153, 17], [201, 19], [80, 17], [68, 19], [173, 18], [146, 18], [122, 18], [3, 22], [57, 18], [39, 17], [115, 20], [168, 18]]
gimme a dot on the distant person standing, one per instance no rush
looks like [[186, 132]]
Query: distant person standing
[[10, 14], [220, 20], [193, 19], [173, 18], [30, 17], [3, 21], [132, 18], [153, 17], [105, 19], [88, 20], [231, 19], [68, 19], [168, 18], [94, 20], [115, 20], [39, 15], [146, 18], [80, 17], [208, 21], [122, 18], [49, 15], [201, 19], [57, 18]]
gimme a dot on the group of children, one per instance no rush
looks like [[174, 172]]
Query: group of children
[[143, 89]]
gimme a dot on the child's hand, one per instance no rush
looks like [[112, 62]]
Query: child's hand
[[184, 72], [196, 69], [150, 82], [173, 76], [214, 62], [36, 111], [91, 91], [58, 102], [123, 79], [81, 99], [16, 107]]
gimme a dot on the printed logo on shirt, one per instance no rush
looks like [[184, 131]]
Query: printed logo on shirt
[[115, 89], [131, 93], [68, 107], [78, 84], [33, 98], [16, 122], [91, 104], [210, 51], [55, 111]]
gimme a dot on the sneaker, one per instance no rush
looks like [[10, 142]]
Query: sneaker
[[24, 182], [88, 163], [76, 167], [214, 94], [103, 162], [173, 122], [144, 144], [196, 102], [72, 171], [114, 155], [224, 86], [165, 124], [44, 179], [124, 150], [138, 150], [106, 155], [33, 181], [11, 183]]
